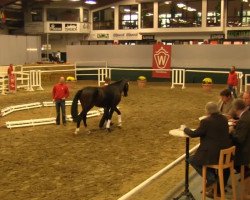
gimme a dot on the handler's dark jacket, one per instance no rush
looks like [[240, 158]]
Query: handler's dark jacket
[[214, 136], [241, 139]]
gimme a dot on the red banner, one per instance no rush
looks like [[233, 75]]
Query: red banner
[[161, 60], [12, 83]]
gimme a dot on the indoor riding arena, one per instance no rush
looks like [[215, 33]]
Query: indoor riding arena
[[50, 162], [173, 58]]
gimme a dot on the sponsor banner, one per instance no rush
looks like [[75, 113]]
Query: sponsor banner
[[71, 27], [127, 36], [161, 60], [148, 37], [66, 27], [102, 36], [12, 82], [55, 27]]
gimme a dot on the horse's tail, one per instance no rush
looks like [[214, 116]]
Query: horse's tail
[[74, 106]]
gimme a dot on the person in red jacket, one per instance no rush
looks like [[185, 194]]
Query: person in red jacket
[[60, 93], [232, 81]]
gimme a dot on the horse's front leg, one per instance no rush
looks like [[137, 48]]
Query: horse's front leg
[[119, 116], [104, 117]]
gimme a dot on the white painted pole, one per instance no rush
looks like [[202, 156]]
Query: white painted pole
[[184, 79]]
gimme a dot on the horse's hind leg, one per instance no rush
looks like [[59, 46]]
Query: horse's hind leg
[[84, 116], [109, 119], [78, 124], [119, 116]]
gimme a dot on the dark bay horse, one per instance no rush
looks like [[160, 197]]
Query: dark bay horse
[[107, 97]]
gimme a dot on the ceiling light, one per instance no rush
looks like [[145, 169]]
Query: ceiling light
[[180, 5], [167, 2], [113, 7], [92, 2]]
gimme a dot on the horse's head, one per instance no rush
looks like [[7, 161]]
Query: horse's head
[[125, 88]]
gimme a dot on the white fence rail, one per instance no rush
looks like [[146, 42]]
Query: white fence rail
[[156, 176], [101, 72], [239, 75], [246, 81]]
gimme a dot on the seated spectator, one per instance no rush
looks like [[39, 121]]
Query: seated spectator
[[213, 132], [246, 98], [225, 104], [241, 135]]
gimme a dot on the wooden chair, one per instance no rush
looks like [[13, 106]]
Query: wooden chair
[[225, 161], [243, 193]]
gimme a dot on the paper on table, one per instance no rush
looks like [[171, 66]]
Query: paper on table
[[177, 133]]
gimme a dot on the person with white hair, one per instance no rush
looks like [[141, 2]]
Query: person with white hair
[[214, 136]]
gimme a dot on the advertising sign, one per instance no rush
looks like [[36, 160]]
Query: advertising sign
[[55, 27], [161, 60], [71, 27]]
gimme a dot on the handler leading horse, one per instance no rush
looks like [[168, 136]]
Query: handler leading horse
[[107, 97]]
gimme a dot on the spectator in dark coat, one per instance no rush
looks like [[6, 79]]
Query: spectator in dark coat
[[241, 135], [214, 136]]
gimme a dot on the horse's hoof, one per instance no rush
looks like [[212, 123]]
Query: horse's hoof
[[88, 132], [109, 130]]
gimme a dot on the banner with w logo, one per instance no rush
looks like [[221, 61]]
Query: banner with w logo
[[161, 60]]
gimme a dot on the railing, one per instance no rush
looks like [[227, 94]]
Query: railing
[[239, 75], [246, 81], [156, 176]]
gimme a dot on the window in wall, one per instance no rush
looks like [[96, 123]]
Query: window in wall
[[238, 13], [63, 14], [213, 13], [175, 13], [85, 15], [36, 14], [103, 19], [147, 15], [128, 17]]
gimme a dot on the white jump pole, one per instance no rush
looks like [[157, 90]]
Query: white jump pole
[[155, 176]]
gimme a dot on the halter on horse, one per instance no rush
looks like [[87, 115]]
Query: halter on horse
[[107, 97]]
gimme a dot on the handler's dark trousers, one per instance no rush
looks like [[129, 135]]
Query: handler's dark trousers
[[60, 104]]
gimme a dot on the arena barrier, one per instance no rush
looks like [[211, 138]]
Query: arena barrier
[[3, 84], [178, 77], [35, 80], [156, 176], [45, 121], [10, 109], [239, 75], [20, 78], [246, 81], [47, 68]]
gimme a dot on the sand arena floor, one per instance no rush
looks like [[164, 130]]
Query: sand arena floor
[[48, 162]]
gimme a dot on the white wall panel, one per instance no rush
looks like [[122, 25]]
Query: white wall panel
[[198, 56], [13, 49]]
